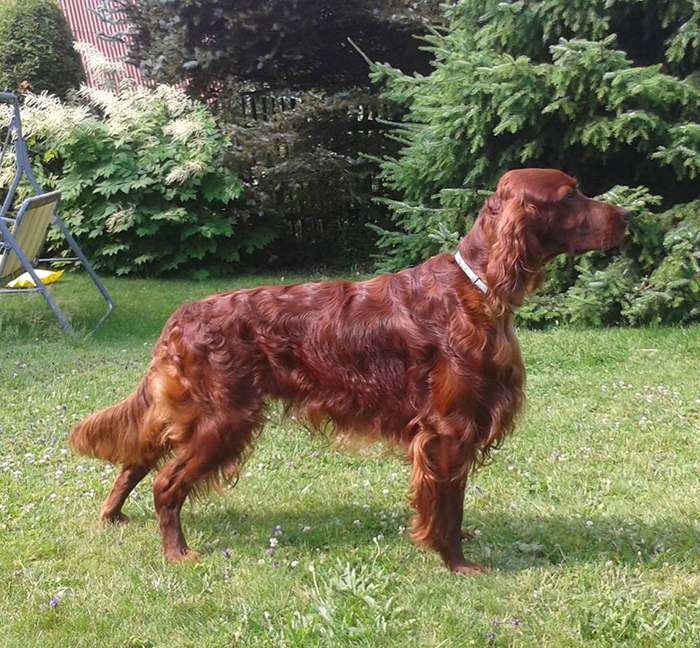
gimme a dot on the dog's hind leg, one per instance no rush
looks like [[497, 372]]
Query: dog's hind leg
[[214, 448], [170, 489], [206, 409], [129, 477]]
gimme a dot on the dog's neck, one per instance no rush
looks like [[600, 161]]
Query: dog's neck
[[474, 249]]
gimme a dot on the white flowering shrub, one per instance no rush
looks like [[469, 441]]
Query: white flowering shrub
[[140, 173]]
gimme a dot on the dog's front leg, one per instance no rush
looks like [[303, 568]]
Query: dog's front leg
[[441, 460]]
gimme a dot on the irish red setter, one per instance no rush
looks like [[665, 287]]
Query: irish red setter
[[425, 358]]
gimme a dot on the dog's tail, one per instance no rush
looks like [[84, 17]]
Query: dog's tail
[[115, 433], [161, 414]]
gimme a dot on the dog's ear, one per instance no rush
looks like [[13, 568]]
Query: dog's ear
[[515, 258]]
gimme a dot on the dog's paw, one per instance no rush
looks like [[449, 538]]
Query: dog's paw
[[467, 569], [179, 555], [115, 518]]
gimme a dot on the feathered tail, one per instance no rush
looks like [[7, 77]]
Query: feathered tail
[[115, 433]]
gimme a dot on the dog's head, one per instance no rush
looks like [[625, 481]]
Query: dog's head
[[536, 214]]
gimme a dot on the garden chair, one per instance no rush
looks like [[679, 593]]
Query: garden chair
[[22, 237]]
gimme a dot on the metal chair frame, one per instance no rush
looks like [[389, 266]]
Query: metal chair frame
[[9, 243]]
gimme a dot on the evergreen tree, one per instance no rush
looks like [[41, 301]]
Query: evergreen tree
[[606, 90]]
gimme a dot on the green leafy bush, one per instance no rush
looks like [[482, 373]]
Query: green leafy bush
[[36, 45], [298, 99], [141, 178], [605, 90]]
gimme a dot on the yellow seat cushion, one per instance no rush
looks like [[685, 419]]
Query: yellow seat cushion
[[25, 280]]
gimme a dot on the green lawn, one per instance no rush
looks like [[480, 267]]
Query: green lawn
[[587, 519]]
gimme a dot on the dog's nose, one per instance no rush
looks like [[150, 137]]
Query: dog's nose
[[626, 215]]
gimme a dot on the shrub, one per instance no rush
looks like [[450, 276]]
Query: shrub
[[36, 45], [141, 178], [671, 293], [305, 177], [605, 90], [302, 165]]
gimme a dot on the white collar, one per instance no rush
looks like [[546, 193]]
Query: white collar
[[473, 277]]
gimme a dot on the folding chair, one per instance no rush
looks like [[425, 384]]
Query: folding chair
[[22, 237]]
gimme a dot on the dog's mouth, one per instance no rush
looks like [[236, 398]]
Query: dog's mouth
[[616, 239], [612, 240]]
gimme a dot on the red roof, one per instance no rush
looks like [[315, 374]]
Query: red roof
[[85, 26]]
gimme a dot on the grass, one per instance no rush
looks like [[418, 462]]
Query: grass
[[587, 519]]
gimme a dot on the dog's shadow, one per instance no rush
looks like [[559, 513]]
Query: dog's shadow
[[503, 542]]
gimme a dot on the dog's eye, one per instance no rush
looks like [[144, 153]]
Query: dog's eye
[[570, 196]]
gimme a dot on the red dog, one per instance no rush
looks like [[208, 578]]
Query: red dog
[[426, 359]]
